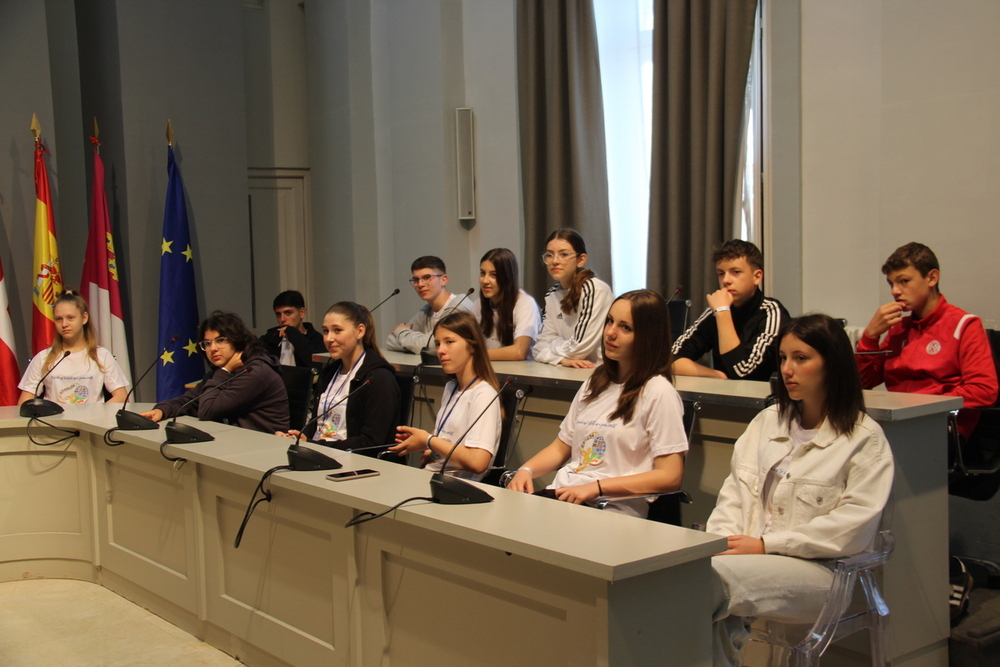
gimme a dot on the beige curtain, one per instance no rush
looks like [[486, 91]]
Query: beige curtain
[[563, 160], [701, 56]]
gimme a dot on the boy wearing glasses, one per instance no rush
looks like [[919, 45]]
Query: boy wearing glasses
[[243, 387], [739, 327], [293, 341], [430, 280]]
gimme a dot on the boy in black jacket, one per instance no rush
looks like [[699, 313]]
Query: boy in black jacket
[[294, 340], [739, 327]]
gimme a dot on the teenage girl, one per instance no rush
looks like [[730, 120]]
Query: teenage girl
[[509, 317], [810, 477], [88, 370], [575, 307], [368, 418], [624, 434], [461, 350]]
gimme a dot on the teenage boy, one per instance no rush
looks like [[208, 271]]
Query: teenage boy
[[932, 346], [430, 280], [739, 327], [294, 340]]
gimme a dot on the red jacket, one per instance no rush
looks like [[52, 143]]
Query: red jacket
[[945, 353]]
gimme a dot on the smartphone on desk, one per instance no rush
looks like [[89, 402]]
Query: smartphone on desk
[[352, 474]]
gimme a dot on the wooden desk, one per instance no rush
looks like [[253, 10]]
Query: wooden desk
[[915, 581], [521, 580]]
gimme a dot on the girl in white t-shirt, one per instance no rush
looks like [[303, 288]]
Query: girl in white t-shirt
[[461, 349], [509, 317], [575, 307], [624, 434], [89, 369]]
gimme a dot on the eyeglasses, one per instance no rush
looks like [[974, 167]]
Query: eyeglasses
[[218, 342], [424, 279], [549, 257]]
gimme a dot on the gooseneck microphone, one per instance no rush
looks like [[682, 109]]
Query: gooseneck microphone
[[394, 293], [677, 290], [304, 458], [185, 434], [449, 490], [427, 356], [133, 421], [40, 407]]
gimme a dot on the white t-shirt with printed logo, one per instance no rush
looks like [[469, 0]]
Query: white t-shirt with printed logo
[[77, 379], [333, 426], [458, 410], [603, 448]]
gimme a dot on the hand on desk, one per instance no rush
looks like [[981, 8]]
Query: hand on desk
[[578, 494], [576, 363], [154, 414], [522, 482], [291, 433]]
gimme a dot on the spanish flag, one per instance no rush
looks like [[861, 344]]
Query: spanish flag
[[47, 285]]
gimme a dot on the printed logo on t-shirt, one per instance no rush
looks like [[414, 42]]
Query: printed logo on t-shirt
[[933, 347], [592, 451], [559, 316], [75, 394], [331, 427]]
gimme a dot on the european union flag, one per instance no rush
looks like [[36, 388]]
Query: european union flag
[[182, 363]]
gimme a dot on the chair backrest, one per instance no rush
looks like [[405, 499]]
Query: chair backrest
[[298, 383], [512, 401]]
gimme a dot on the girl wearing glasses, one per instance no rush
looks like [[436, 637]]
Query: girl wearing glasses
[[574, 309], [624, 433], [253, 395], [461, 350], [86, 372], [353, 420], [508, 316]]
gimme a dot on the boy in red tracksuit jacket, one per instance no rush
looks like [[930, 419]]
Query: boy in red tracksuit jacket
[[933, 346]]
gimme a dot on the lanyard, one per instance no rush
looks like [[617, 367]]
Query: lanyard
[[453, 404], [337, 389]]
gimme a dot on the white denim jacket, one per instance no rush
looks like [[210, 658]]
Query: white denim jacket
[[829, 503]]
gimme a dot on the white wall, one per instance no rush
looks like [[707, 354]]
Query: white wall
[[900, 141]]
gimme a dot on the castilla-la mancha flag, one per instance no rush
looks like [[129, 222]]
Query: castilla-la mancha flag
[[9, 371], [47, 285], [99, 284]]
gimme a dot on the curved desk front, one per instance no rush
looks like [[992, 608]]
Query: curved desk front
[[520, 580]]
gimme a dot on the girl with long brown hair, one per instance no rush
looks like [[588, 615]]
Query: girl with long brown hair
[[88, 370], [575, 307], [461, 350], [508, 316], [368, 418], [624, 434]]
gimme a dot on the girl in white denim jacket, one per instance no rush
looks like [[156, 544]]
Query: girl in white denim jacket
[[809, 480]]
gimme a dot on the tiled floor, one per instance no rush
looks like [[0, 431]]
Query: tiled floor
[[45, 622]]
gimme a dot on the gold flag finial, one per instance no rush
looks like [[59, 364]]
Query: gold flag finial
[[97, 132], [36, 127], [170, 133]]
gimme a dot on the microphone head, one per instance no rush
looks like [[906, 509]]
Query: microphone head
[[65, 354], [395, 292], [471, 291]]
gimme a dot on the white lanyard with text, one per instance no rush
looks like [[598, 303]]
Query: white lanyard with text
[[453, 404], [336, 390]]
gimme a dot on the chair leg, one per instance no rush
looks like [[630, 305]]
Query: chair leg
[[878, 621]]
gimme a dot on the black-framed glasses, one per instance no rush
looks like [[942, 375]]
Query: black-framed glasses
[[424, 279], [205, 344]]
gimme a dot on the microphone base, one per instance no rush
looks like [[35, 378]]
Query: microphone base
[[449, 490], [429, 357], [39, 407], [133, 421], [304, 458], [182, 434]]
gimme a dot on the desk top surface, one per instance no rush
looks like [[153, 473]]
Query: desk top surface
[[599, 544], [880, 405]]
